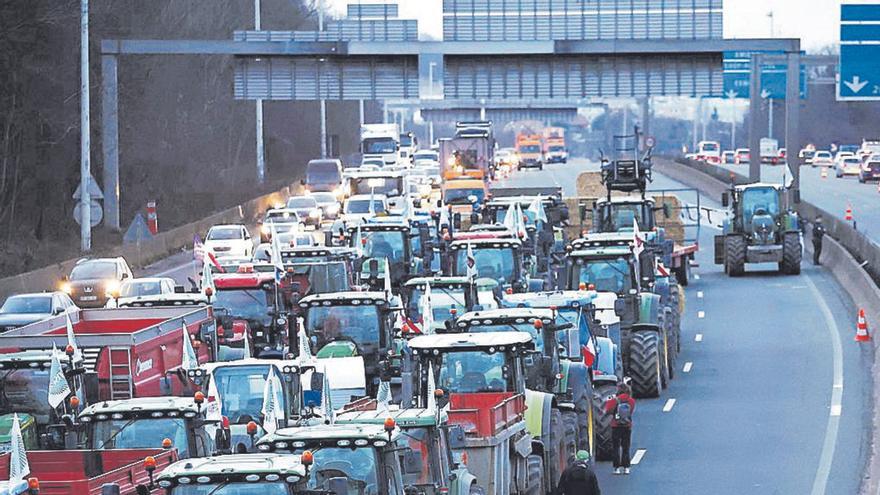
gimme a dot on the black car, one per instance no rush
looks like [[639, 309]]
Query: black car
[[23, 309], [92, 281]]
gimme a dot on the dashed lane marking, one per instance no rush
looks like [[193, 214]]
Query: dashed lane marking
[[699, 294], [687, 367], [699, 337], [696, 276], [820, 482], [669, 405], [701, 314], [640, 454]]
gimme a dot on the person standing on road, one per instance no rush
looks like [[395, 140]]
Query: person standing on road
[[579, 478], [818, 234], [622, 406]]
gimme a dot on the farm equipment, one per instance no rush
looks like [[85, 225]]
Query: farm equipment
[[250, 301], [383, 244], [266, 474]]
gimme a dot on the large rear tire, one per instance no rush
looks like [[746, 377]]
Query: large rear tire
[[683, 273], [791, 254], [535, 470], [735, 255], [602, 421], [645, 364], [562, 448]]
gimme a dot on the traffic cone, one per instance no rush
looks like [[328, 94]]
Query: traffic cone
[[824, 173], [848, 216], [862, 328]]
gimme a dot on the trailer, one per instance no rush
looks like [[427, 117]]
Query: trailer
[[86, 472]]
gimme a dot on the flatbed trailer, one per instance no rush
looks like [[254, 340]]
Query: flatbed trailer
[[127, 352]]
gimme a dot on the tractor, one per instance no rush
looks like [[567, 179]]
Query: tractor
[[762, 228]]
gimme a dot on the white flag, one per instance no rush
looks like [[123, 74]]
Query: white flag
[[214, 410], [432, 400], [327, 403], [273, 409], [372, 209], [71, 337], [247, 344], [189, 360], [359, 242], [537, 207], [275, 252], [427, 311], [18, 463], [58, 387], [383, 397], [510, 218], [305, 350], [207, 276], [638, 240], [444, 217], [471, 263], [520, 222], [387, 278]]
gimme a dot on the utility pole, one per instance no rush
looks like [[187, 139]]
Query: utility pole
[[85, 166], [323, 102], [770, 117], [792, 117], [261, 155], [698, 116], [755, 120]]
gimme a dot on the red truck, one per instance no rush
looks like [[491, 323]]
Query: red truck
[[85, 472]]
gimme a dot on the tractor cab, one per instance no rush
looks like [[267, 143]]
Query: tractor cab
[[629, 169], [250, 301], [450, 296], [152, 422], [350, 458], [237, 474], [385, 246], [499, 259]]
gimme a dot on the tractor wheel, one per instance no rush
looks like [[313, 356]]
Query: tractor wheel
[[683, 273], [664, 358], [476, 490], [572, 439], [645, 361], [671, 344], [535, 472], [603, 421], [560, 450], [791, 254], [735, 258]]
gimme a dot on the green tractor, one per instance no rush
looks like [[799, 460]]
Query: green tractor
[[762, 228]]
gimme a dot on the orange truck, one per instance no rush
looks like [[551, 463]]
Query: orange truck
[[554, 145], [530, 151]]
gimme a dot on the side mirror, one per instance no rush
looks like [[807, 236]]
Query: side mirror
[[124, 276], [58, 311], [667, 210], [412, 462], [373, 268], [456, 437], [725, 199], [619, 307], [302, 182]]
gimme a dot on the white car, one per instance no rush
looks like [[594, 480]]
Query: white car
[[328, 204], [145, 292], [426, 157], [822, 159], [232, 240], [848, 165], [357, 207]]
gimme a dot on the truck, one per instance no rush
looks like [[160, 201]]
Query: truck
[[480, 380], [409, 144], [389, 183], [86, 472], [381, 141], [554, 145], [709, 152], [530, 150], [769, 151], [470, 153]]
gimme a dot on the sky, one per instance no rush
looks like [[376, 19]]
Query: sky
[[814, 21]]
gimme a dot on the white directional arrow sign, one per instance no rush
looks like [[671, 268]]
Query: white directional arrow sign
[[765, 94], [856, 84], [731, 94]]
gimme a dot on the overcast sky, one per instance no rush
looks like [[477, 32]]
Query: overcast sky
[[814, 21]]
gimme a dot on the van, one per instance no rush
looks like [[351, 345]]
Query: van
[[324, 176]]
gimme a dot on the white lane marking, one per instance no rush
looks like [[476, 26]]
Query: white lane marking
[[820, 482], [640, 453], [687, 367], [669, 405], [696, 276], [698, 337], [699, 294], [172, 270], [701, 314]]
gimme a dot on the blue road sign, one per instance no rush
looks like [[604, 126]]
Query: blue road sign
[[737, 68], [859, 53]]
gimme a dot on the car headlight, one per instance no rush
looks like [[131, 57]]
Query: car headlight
[[315, 213], [265, 229], [111, 287], [333, 209], [66, 287]]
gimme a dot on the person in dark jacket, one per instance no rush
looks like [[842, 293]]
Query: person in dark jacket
[[622, 406], [818, 234], [579, 478]]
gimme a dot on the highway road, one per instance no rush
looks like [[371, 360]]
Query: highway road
[[772, 394], [832, 194]]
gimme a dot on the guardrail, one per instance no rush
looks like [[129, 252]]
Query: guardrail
[[144, 253]]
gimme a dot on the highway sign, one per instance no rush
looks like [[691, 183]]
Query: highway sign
[[97, 213], [737, 69], [859, 53]]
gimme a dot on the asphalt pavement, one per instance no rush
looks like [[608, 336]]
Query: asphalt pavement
[[772, 394], [832, 194]]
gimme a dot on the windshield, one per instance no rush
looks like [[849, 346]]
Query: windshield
[[363, 206], [621, 217], [234, 488], [93, 269], [530, 148], [473, 372], [324, 198], [248, 304], [389, 186], [759, 200], [462, 195], [358, 465], [557, 148], [443, 299], [379, 146], [529, 328], [145, 288], [709, 147], [495, 263], [25, 390], [241, 391], [384, 244], [406, 140], [302, 202], [20, 304], [140, 433], [322, 172], [359, 324], [608, 275], [425, 155], [224, 234]]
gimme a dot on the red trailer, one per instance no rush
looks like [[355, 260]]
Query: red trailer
[[84, 472], [126, 352]]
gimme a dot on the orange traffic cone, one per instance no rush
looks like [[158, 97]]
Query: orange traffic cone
[[862, 328], [824, 173], [848, 216]]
